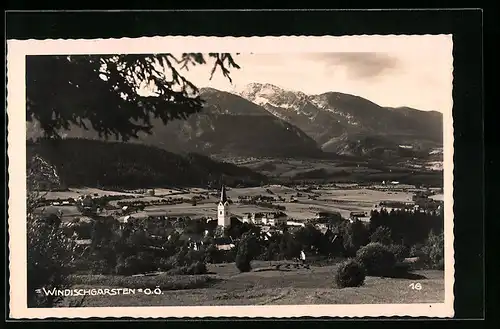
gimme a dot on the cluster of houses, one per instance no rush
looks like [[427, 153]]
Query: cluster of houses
[[278, 218], [419, 204], [270, 222]]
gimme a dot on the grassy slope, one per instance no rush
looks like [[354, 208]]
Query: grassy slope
[[315, 286]]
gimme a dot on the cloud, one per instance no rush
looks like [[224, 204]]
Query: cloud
[[397, 77], [359, 64]]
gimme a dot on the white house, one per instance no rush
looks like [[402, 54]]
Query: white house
[[272, 218], [276, 219]]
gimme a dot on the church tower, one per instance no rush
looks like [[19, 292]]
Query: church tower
[[223, 217]]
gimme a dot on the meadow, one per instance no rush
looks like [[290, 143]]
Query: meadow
[[226, 286]]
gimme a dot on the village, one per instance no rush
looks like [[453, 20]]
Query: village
[[271, 208], [238, 244]]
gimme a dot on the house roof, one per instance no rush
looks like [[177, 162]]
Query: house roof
[[325, 212], [222, 241], [83, 242], [225, 246]]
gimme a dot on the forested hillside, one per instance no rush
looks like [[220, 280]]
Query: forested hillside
[[83, 162]]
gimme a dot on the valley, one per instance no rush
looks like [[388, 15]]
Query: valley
[[266, 121]]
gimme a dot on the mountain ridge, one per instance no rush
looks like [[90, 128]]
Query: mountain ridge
[[331, 118], [265, 120], [228, 124]]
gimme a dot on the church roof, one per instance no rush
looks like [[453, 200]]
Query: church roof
[[223, 197]]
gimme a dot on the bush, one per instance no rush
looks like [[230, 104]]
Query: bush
[[166, 264], [193, 269], [431, 252], [417, 250], [377, 259], [100, 266], [135, 265], [350, 274], [400, 251], [243, 263], [193, 256], [121, 269], [434, 250], [132, 265], [197, 268], [163, 281]]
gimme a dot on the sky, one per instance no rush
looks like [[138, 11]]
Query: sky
[[417, 74]]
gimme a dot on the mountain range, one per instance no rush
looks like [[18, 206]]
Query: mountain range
[[265, 120], [348, 124]]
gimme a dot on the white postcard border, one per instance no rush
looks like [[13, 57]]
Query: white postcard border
[[16, 103]]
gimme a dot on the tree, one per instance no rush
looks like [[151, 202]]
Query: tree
[[104, 91], [247, 251], [49, 251], [382, 235], [289, 246], [308, 236], [102, 231], [49, 256], [354, 236], [433, 250]]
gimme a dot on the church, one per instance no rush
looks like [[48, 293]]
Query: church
[[223, 214]]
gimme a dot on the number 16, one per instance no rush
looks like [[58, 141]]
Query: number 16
[[416, 286]]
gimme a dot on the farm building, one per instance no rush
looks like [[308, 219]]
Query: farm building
[[397, 205], [359, 216], [293, 223]]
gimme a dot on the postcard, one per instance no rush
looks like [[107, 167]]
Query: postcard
[[261, 177]]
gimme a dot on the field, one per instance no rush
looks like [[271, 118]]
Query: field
[[342, 198], [271, 287], [345, 169]]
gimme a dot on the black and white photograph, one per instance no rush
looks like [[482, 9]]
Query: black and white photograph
[[292, 176]]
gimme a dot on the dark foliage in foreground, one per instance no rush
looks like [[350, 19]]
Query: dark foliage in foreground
[[101, 91], [48, 257]]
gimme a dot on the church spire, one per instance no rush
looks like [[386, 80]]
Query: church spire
[[223, 197]]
